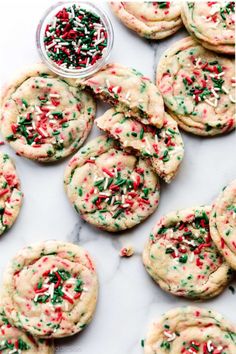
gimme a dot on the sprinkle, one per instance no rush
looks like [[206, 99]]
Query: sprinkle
[[213, 104], [225, 89], [170, 336], [209, 346], [232, 99], [73, 31], [54, 95]]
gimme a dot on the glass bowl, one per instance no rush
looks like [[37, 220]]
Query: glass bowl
[[67, 72]]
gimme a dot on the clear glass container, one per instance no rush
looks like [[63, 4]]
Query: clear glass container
[[74, 73]]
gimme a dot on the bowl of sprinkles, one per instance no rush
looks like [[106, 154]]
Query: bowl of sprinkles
[[74, 39]]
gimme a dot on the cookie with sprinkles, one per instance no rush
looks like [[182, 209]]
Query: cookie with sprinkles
[[14, 340], [111, 188], [223, 223], [50, 289], [182, 258], [212, 23], [11, 196], [134, 93], [163, 147], [44, 117], [153, 20], [198, 88], [190, 330]]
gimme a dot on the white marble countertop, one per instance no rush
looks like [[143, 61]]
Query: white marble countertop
[[129, 300]]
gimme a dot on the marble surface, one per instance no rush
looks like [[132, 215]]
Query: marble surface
[[129, 300]]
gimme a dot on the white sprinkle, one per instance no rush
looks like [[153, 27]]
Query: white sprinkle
[[43, 132], [126, 205], [99, 41], [213, 104], [48, 106], [107, 83], [127, 96], [37, 295], [51, 290], [214, 93], [54, 95], [209, 346], [156, 139], [71, 281], [72, 11], [107, 194], [112, 200], [148, 144], [115, 89], [170, 336], [64, 43], [191, 351], [191, 257], [18, 351], [51, 45], [67, 294], [148, 152], [197, 62], [225, 89], [38, 109], [106, 183], [232, 99]]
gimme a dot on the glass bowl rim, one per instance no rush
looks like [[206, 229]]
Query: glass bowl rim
[[74, 73]]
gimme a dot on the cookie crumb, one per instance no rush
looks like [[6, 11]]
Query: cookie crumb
[[126, 251]]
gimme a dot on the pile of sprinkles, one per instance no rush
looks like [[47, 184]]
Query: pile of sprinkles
[[40, 122], [56, 286], [191, 243], [207, 82], [208, 347], [220, 12], [14, 346], [75, 38], [116, 192]]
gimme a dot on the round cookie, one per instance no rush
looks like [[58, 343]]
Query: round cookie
[[212, 23], [50, 289], [190, 330], [182, 258], [153, 20], [110, 188], [163, 147], [127, 88], [11, 196], [198, 88], [223, 223], [44, 117], [14, 340]]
